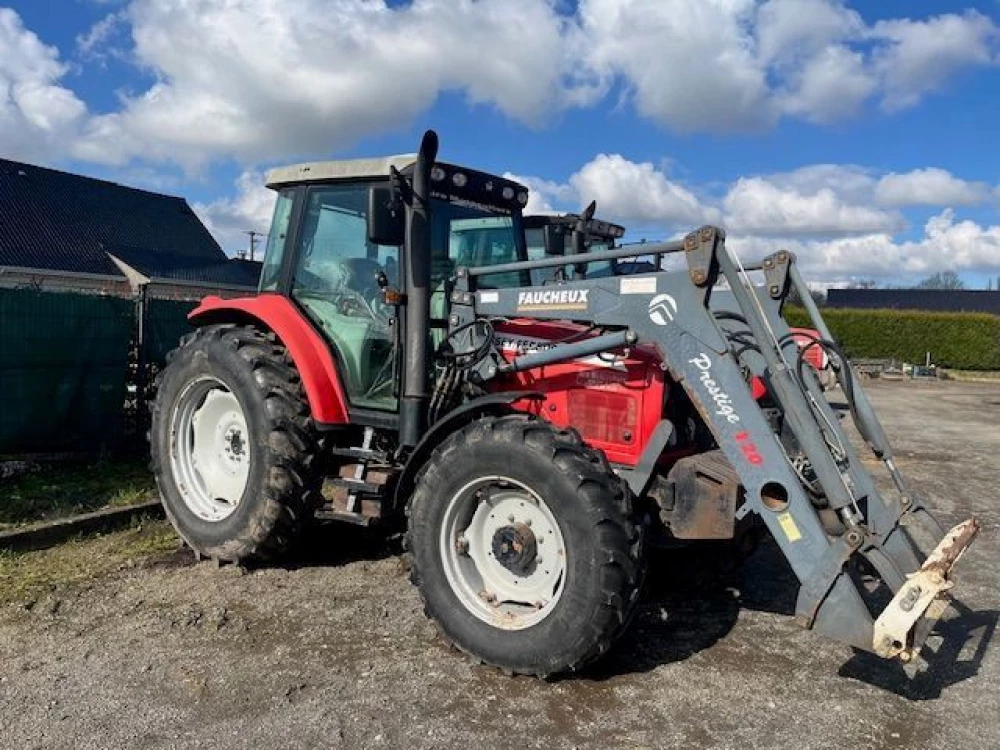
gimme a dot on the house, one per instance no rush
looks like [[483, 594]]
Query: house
[[65, 232], [78, 341]]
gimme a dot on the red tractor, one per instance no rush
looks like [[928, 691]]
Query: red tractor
[[401, 362]]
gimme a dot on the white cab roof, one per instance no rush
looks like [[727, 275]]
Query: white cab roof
[[338, 170]]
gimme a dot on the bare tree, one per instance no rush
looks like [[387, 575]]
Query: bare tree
[[942, 280], [863, 284]]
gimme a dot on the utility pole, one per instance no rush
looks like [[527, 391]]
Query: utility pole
[[254, 234]]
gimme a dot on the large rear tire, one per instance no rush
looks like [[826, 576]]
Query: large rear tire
[[524, 546], [232, 444]]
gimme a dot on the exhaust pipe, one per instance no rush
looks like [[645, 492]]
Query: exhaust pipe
[[417, 268]]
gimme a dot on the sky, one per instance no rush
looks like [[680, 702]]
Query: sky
[[863, 137]]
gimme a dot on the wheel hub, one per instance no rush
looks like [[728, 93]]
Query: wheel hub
[[515, 547], [503, 552], [235, 444]]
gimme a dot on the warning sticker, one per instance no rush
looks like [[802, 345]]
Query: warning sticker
[[639, 286], [789, 526]]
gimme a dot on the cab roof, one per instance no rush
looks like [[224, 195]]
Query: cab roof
[[345, 169]]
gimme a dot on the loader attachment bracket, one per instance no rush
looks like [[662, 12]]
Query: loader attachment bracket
[[776, 273], [700, 249], [922, 595], [829, 568]]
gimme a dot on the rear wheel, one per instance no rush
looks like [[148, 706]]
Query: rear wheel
[[232, 444], [524, 546]]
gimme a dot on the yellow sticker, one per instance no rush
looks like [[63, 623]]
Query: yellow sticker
[[789, 526]]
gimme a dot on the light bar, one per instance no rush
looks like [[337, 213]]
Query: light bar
[[478, 189]]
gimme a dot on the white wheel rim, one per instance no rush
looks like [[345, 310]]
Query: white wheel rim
[[210, 450], [523, 588]]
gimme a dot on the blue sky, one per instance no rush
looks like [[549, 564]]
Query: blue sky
[[862, 136]]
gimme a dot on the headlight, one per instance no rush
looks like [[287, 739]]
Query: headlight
[[437, 174], [508, 193], [522, 198], [459, 179]]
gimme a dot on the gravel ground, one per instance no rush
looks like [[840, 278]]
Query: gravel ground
[[334, 652]]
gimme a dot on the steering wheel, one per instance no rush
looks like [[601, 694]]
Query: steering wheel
[[359, 292]]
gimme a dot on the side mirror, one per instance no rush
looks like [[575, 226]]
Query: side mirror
[[554, 237], [386, 217]]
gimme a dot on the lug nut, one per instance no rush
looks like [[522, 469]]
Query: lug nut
[[462, 545]]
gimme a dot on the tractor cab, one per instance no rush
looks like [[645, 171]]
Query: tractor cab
[[553, 234], [334, 250], [550, 234]]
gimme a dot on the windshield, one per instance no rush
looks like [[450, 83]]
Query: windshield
[[535, 240], [466, 236]]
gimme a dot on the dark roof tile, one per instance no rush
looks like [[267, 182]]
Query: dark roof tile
[[65, 222]]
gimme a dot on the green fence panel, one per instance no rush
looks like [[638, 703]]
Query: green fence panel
[[63, 367], [166, 322]]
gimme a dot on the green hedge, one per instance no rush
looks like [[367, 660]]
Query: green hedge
[[965, 341]]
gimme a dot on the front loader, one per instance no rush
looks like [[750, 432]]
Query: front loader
[[401, 363]]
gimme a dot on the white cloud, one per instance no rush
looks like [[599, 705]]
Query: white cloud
[[758, 206], [90, 44], [268, 79], [627, 190], [229, 219], [831, 85], [624, 190], [945, 245], [264, 80], [929, 187], [797, 29], [921, 56], [689, 64], [832, 199], [842, 220], [36, 113], [722, 65]]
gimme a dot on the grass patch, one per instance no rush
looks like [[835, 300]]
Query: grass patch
[[27, 575], [59, 490]]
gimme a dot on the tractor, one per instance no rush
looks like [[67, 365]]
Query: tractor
[[403, 363]]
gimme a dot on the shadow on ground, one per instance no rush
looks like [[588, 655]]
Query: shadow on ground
[[953, 654], [692, 601]]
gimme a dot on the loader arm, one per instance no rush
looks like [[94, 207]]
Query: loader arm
[[802, 477]]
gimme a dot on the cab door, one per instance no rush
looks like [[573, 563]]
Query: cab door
[[335, 280]]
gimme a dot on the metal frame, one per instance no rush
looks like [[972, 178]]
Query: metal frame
[[675, 312]]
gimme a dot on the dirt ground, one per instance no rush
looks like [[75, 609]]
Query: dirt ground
[[153, 650]]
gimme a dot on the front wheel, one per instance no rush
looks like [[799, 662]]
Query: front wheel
[[524, 545]]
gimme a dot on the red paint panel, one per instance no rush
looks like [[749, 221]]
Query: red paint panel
[[309, 351], [615, 406], [815, 355]]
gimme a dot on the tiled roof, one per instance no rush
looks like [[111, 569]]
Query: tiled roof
[[65, 222]]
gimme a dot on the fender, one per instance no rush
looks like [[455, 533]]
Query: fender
[[494, 403], [309, 351]]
